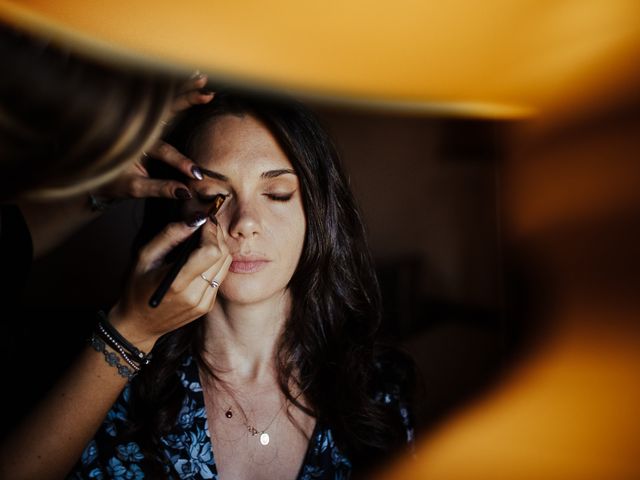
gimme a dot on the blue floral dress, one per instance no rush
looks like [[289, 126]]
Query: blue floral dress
[[187, 448]]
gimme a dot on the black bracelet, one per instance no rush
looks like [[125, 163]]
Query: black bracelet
[[114, 336], [104, 335]]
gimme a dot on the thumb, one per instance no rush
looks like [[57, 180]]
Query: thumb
[[152, 255]]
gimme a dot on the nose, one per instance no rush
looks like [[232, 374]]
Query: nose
[[245, 220]]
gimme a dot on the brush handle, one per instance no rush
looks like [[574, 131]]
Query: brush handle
[[184, 250]]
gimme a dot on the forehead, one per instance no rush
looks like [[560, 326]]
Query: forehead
[[238, 142]]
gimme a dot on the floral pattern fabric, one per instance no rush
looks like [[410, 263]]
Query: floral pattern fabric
[[187, 449]]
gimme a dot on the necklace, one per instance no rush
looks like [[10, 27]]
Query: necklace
[[264, 436]]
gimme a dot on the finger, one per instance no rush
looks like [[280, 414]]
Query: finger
[[199, 296], [152, 254], [150, 187], [213, 234], [199, 270], [196, 81], [219, 272], [209, 252], [210, 278], [189, 98], [220, 233], [206, 283], [217, 275], [168, 154], [194, 91]]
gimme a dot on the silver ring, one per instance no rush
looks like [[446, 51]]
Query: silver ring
[[212, 283]]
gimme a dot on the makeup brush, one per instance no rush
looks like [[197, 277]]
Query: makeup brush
[[182, 254]]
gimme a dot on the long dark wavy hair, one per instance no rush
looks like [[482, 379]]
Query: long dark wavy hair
[[328, 345]]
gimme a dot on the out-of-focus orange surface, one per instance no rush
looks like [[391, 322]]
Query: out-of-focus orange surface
[[568, 409], [495, 58], [569, 413]]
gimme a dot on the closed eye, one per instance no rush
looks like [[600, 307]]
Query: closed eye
[[279, 197]]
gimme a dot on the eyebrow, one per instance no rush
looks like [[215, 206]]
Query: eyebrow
[[277, 173], [216, 175], [267, 174]]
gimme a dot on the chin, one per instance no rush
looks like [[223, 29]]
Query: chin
[[245, 291]]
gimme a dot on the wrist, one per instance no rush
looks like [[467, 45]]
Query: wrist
[[116, 348], [124, 324]]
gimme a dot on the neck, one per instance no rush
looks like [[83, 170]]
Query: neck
[[240, 340]]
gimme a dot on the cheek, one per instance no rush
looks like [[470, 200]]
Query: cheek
[[294, 236]]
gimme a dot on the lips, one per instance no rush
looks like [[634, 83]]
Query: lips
[[247, 263]]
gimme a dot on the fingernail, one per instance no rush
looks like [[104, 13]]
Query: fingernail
[[197, 75], [198, 219], [183, 193], [197, 174], [205, 91]]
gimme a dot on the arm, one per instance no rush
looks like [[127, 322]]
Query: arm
[[51, 439], [64, 422]]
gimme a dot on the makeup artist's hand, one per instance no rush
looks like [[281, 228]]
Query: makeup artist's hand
[[188, 298], [134, 181]]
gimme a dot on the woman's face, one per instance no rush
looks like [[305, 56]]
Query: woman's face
[[262, 217]]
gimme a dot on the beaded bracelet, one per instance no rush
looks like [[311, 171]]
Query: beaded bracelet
[[111, 357], [102, 333], [129, 352]]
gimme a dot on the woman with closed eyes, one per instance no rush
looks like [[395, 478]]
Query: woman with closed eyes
[[272, 370]]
